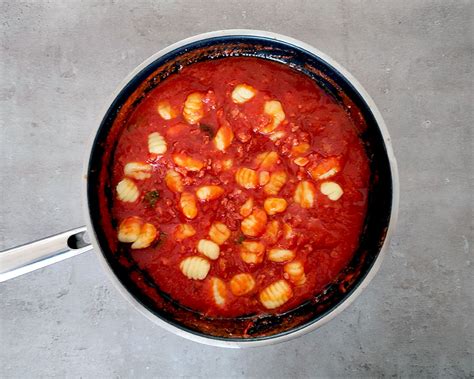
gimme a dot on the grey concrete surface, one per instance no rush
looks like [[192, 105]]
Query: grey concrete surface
[[59, 63]]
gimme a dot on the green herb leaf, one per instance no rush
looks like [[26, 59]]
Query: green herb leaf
[[161, 240], [151, 198], [207, 129], [240, 239]]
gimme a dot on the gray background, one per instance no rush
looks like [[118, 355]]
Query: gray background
[[59, 63]]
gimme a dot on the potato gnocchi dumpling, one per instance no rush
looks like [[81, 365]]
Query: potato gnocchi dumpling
[[266, 160], [263, 178], [133, 229], [242, 284], [288, 231], [276, 294], [209, 248], [157, 144], [187, 204], [325, 169], [184, 231], [195, 267], [227, 164], [174, 181], [127, 191], [277, 135], [223, 138], [206, 193], [252, 252], [246, 207], [300, 149], [332, 190], [193, 110], [272, 232], [219, 232], [218, 291], [294, 271], [276, 183], [137, 170], [243, 93], [280, 255], [274, 110], [129, 229], [305, 194], [165, 110], [301, 161], [274, 205], [246, 177], [146, 237], [187, 162], [254, 225]]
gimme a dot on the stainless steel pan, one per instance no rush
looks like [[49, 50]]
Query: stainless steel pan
[[245, 331]]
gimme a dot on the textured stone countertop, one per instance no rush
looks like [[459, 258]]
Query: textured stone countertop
[[59, 63]]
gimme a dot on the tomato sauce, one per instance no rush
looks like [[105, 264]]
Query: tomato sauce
[[323, 236]]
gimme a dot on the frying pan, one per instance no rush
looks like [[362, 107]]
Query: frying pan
[[136, 285]]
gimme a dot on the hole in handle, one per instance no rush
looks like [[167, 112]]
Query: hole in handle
[[78, 241]]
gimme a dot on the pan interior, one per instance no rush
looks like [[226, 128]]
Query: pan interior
[[379, 205]]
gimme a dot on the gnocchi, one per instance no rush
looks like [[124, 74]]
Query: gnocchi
[[300, 148], [165, 110], [276, 183], [218, 290], [206, 193], [223, 138], [246, 177], [294, 271], [276, 294], [193, 110], [266, 160], [325, 169], [174, 181], [195, 267], [243, 93], [272, 232], [209, 248], [305, 194], [184, 231], [288, 231], [146, 237], [274, 205], [129, 229], [137, 170], [252, 252], [280, 255], [219, 233], [301, 161], [332, 190], [187, 204], [246, 207], [274, 110], [134, 230], [157, 144], [254, 224], [127, 191], [242, 284], [263, 177], [187, 162]]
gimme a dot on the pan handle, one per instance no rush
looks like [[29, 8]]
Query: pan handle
[[32, 256]]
